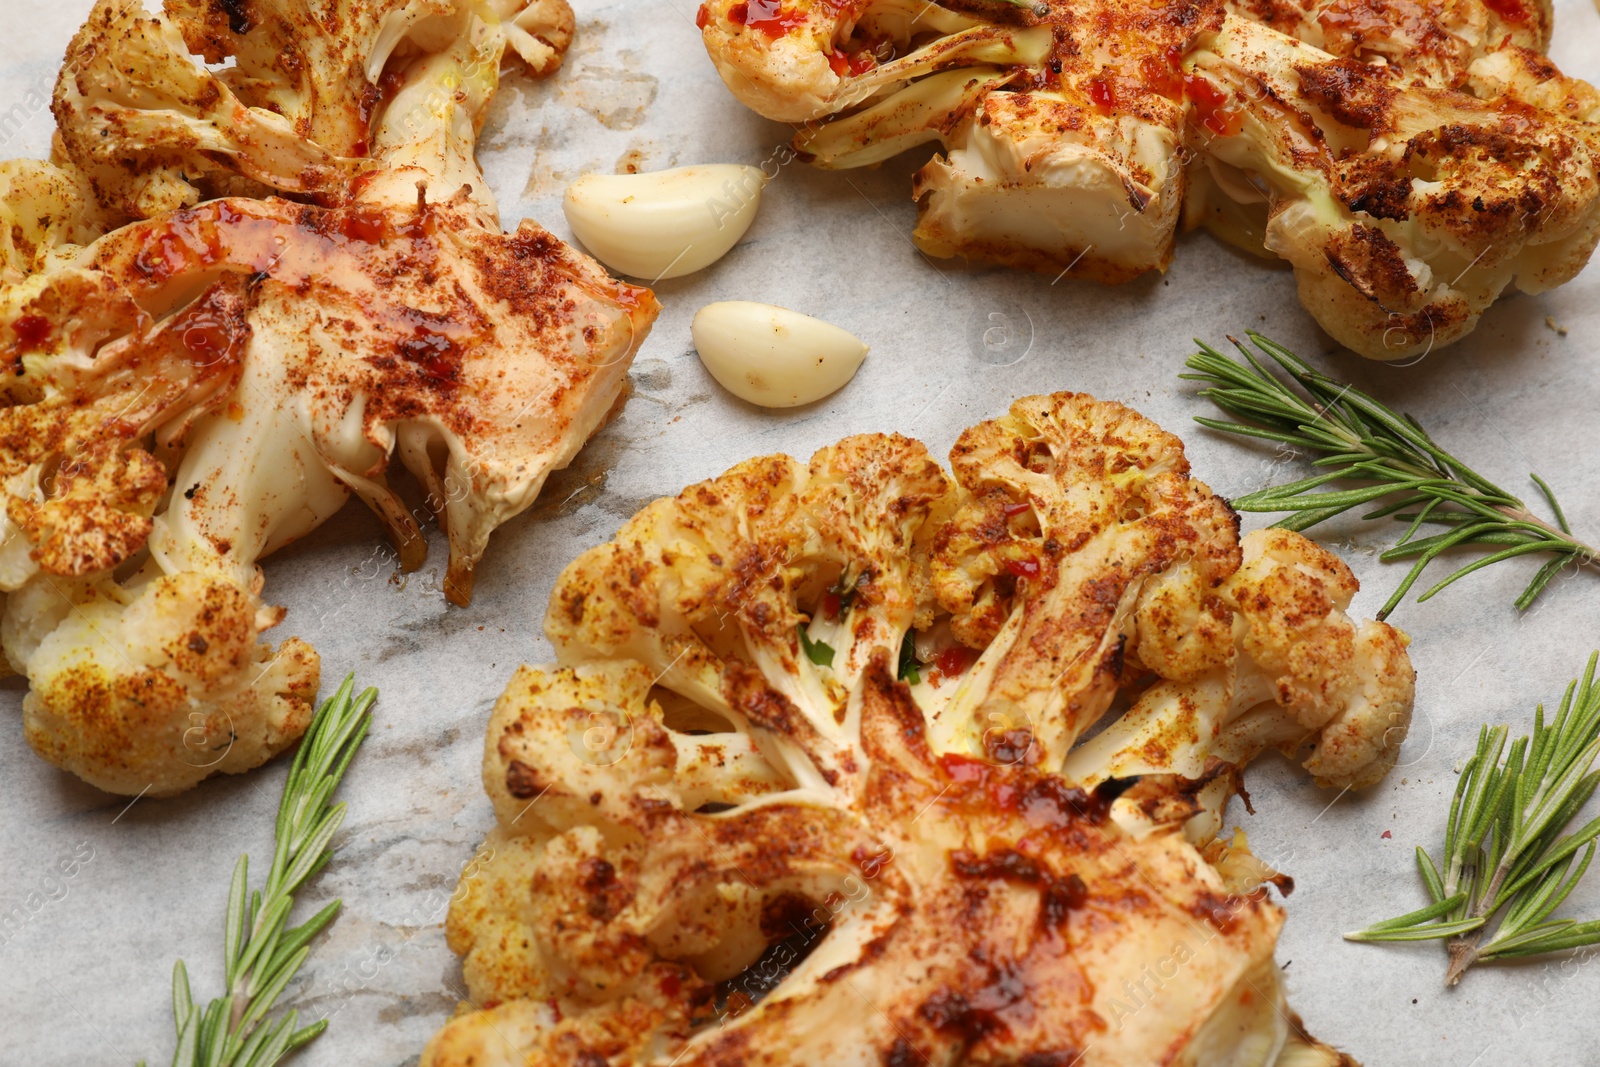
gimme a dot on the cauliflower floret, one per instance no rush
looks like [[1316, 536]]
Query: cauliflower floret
[[1050, 181], [818, 59], [146, 121], [1097, 500], [1410, 159], [1299, 675], [200, 387], [159, 687], [1428, 42], [47, 213], [727, 817], [1405, 211], [707, 589]]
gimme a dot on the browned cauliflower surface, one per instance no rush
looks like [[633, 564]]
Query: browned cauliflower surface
[[235, 297], [1410, 160], [804, 788]]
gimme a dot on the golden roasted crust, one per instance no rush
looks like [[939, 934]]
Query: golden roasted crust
[[160, 691], [1411, 159], [186, 392], [724, 818]]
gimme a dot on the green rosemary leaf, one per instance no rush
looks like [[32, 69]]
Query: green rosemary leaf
[[1570, 936], [1430, 876], [262, 1001], [1550, 498], [1520, 944], [188, 1042], [1478, 565], [1404, 922], [1304, 520], [300, 935], [1251, 431], [1394, 462], [305, 1034], [236, 921], [1400, 505], [276, 1044], [1420, 929], [182, 1001]]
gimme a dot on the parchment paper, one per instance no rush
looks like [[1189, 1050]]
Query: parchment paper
[[84, 976]]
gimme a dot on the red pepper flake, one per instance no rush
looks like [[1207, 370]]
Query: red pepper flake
[[364, 225], [671, 985], [555, 1008], [1005, 796], [765, 15], [1208, 103], [1103, 94], [955, 659], [702, 17], [1510, 10], [963, 770], [416, 228], [205, 343], [1012, 510], [32, 330], [1387, 834], [851, 63], [433, 354], [1160, 74], [1023, 568], [831, 606], [162, 257]]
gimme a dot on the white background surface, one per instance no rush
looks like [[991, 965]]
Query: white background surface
[[85, 980]]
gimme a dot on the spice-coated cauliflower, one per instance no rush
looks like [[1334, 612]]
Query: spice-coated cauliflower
[[1411, 159], [803, 787], [199, 370]]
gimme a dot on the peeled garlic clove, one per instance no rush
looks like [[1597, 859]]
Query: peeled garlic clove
[[773, 356], [664, 223]]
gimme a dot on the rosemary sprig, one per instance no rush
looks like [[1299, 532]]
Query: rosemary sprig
[[1358, 439], [259, 954], [1506, 850]]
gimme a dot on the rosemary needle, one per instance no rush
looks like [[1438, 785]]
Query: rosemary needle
[[259, 954], [1358, 439], [1507, 853]]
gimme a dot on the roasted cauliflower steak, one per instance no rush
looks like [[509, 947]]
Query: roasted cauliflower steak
[[804, 786], [1410, 160], [234, 297]]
